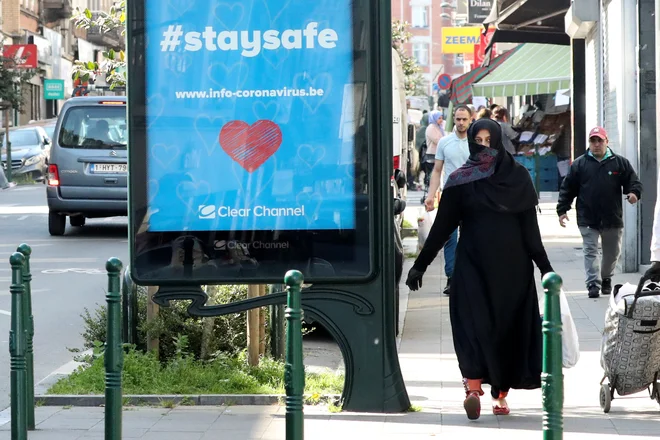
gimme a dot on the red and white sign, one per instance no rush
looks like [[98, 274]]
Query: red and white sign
[[24, 56], [480, 49]]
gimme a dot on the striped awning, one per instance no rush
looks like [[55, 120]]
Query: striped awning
[[460, 91], [533, 70]]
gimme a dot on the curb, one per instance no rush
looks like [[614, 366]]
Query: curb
[[178, 399]]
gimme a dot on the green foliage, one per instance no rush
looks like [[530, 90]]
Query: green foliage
[[114, 63], [224, 374], [11, 80], [411, 70], [226, 333]]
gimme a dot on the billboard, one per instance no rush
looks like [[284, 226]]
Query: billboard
[[24, 56], [460, 39], [478, 10], [249, 115]]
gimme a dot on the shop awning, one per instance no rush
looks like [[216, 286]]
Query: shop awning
[[460, 91], [529, 15], [533, 70]]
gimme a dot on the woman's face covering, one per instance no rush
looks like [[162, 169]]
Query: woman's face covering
[[483, 138]]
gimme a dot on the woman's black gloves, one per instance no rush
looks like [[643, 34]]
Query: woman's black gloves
[[414, 281]]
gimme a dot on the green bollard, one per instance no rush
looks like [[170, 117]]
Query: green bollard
[[28, 321], [553, 374], [114, 355], [17, 349], [294, 372]]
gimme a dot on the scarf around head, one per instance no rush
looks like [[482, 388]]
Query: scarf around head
[[434, 117], [499, 182]]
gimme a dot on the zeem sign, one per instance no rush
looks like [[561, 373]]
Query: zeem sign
[[460, 39]]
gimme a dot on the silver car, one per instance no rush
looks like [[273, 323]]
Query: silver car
[[29, 152], [87, 173]]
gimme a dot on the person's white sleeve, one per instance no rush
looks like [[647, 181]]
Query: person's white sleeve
[[655, 239], [440, 152]]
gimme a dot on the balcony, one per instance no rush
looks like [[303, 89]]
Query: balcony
[[55, 10], [111, 39]]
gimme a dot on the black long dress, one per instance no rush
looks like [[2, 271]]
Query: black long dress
[[493, 303]]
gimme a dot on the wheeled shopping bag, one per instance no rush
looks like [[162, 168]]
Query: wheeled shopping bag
[[630, 350]]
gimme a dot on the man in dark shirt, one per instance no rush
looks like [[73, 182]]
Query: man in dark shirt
[[598, 179]]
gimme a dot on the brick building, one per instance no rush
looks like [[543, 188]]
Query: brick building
[[426, 19]]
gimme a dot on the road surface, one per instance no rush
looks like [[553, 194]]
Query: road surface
[[68, 276]]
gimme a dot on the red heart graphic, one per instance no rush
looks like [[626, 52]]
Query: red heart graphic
[[250, 145]]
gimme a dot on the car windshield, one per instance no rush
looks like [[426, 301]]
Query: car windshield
[[22, 138], [95, 127]]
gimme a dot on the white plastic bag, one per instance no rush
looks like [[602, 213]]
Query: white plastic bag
[[570, 345], [424, 223]]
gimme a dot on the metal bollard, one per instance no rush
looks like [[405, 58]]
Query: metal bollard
[[28, 321], [294, 372], [114, 355], [17, 349], [129, 305], [553, 375]]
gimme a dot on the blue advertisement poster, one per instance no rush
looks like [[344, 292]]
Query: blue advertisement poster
[[249, 115]]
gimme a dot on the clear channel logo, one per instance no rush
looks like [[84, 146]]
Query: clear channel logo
[[224, 245], [207, 212]]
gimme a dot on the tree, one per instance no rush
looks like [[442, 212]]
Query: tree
[[11, 80], [413, 79], [114, 63]]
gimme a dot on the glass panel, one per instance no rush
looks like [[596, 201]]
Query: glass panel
[[95, 127], [255, 134]]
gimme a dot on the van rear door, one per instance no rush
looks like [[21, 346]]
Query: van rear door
[[92, 151]]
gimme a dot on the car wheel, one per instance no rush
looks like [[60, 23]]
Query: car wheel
[[77, 221], [56, 223]]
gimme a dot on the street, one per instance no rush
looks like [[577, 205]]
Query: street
[[68, 276]]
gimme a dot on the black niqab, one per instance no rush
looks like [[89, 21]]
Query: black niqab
[[509, 188]]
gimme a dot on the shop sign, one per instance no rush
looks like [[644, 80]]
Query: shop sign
[[460, 39], [54, 89], [478, 10], [480, 49], [24, 55]]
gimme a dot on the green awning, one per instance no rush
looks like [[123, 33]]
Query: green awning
[[533, 70]]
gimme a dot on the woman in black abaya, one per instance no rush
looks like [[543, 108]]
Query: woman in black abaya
[[493, 303]]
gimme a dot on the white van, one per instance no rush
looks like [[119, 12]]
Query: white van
[[399, 113]]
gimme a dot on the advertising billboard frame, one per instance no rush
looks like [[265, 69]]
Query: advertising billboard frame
[[349, 255]]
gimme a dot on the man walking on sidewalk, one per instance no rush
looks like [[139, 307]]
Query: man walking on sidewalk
[[452, 153], [597, 179]]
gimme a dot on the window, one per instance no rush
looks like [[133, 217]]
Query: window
[[97, 127], [420, 16], [22, 138], [421, 53], [459, 60]]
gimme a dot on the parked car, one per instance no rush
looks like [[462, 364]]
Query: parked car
[[47, 124], [30, 147], [87, 174]]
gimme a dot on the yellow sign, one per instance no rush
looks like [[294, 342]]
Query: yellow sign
[[460, 39]]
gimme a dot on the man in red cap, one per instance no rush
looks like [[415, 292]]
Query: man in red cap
[[598, 179]]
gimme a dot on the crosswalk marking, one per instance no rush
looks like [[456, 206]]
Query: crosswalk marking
[[37, 209]]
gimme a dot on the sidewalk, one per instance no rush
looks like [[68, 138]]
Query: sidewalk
[[433, 381]]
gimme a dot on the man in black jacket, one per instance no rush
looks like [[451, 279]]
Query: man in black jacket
[[597, 179]]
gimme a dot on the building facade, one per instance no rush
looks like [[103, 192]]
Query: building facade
[[48, 25], [426, 19]]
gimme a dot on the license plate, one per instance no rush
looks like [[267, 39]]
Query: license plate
[[114, 168]]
